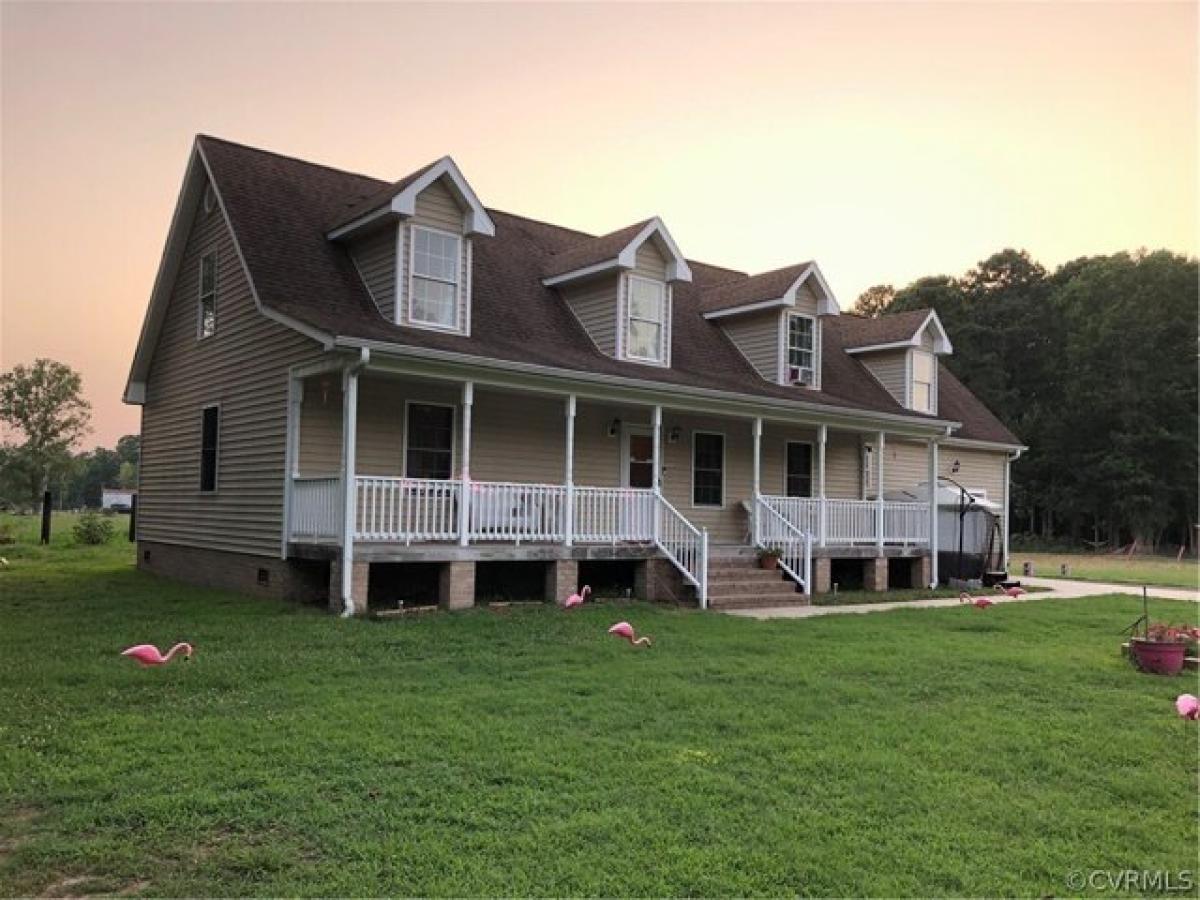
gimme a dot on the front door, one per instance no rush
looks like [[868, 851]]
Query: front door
[[638, 466]]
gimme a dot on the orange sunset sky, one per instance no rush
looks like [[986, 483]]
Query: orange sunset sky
[[886, 141]]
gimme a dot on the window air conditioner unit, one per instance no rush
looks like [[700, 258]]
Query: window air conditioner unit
[[800, 376]]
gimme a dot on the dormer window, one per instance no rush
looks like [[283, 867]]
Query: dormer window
[[646, 320], [801, 338], [436, 269], [923, 384]]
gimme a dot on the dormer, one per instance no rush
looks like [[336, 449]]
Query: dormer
[[619, 286], [411, 244], [774, 319], [901, 351]]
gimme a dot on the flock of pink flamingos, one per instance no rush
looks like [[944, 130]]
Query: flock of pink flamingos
[[148, 655]]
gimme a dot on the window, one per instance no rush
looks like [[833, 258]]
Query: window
[[429, 441], [868, 469], [209, 440], [647, 319], [435, 274], [801, 348], [708, 469], [798, 473], [922, 381], [208, 295]]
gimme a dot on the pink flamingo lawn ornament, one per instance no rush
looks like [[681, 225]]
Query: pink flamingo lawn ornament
[[1188, 706], [577, 599], [979, 602], [148, 655], [1012, 592], [625, 630]]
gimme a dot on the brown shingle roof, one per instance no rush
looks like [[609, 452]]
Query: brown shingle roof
[[588, 251], [280, 209], [887, 329], [751, 289]]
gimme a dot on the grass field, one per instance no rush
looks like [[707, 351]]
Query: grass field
[[525, 752], [1162, 571]]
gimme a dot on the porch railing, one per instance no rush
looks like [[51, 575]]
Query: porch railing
[[509, 511], [407, 509], [773, 530], [605, 515], [849, 522], [316, 506]]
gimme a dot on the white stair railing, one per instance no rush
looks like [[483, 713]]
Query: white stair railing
[[685, 545], [773, 531]]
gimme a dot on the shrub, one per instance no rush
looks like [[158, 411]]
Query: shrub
[[93, 529]]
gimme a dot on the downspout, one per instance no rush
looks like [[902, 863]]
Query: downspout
[[349, 489], [1008, 461]]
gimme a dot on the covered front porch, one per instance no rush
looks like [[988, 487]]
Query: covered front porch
[[435, 463]]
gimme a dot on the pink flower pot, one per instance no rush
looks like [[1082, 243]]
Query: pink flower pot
[[1159, 657]]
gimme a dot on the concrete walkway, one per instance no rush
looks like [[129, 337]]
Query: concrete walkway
[[1058, 588]]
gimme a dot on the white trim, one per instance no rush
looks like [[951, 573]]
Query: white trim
[[455, 366], [464, 499], [822, 509], [984, 445], [787, 339], [207, 492], [941, 342], [459, 294], [626, 258], [621, 300], [756, 432], [399, 302], [908, 370], [812, 465], [414, 401], [778, 302], [724, 470], [355, 224], [475, 219], [569, 473], [468, 268], [627, 320], [827, 304], [932, 478], [911, 388]]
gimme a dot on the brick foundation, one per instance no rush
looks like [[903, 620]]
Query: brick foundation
[[822, 568], [562, 580], [456, 585], [875, 574], [297, 580], [360, 582], [658, 581], [922, 571]]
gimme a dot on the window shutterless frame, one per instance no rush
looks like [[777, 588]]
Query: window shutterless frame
[[206, 302], [408, 405], [697, 438], [455, 282], [660, 322], [210, 447], [795, 350], [923, 381]]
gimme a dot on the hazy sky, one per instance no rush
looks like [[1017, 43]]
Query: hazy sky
[[885, 141]]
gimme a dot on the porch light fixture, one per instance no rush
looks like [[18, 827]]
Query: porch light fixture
[[614, 427], [954, 468], [673, 435]]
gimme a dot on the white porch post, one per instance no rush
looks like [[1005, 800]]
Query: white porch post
[[655, 478], [933, 514], [291, 462], [349, 483], [569, 475], [1007, 515], [822, 520], [464, 491], [758, 427], [879, 444]]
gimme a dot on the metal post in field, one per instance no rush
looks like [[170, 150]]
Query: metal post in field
[[46, 517]]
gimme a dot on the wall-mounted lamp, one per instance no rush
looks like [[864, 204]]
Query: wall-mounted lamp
[[954, 468], [614, 427], [673, 435]]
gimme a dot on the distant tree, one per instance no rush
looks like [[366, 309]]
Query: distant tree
[[874, 301], [127, 477], [129, 448], [44, 402]]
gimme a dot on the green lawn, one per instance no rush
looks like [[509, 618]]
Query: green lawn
[[919, 752], [1152, 570]]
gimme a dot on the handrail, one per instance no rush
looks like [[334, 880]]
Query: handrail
[[772, 529], [685, 545]]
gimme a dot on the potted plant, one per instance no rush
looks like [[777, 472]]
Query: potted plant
[[768, 557], [1162, 648]]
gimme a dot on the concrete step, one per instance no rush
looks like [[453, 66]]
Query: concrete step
[[749, 590], [755, 602], [743, 574]]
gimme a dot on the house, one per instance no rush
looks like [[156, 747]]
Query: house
[[118, 499], [348, 384]]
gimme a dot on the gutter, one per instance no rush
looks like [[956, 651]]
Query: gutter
[[780, 405]]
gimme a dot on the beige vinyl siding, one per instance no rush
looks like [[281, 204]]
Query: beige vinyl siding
[[757, 336], [375, 258], [594, 304], [843, 456], [244, 369], [649, 262], [806, 300], [435, 208], [978, 469], [890, 368], [519, 437], [905, 465]]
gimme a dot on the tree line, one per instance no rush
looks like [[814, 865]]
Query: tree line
[[43, 404], [1093, 366]]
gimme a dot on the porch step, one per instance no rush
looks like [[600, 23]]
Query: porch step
[[740, 583]]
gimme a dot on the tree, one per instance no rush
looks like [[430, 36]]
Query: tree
[[874, 301], [44, 402]]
